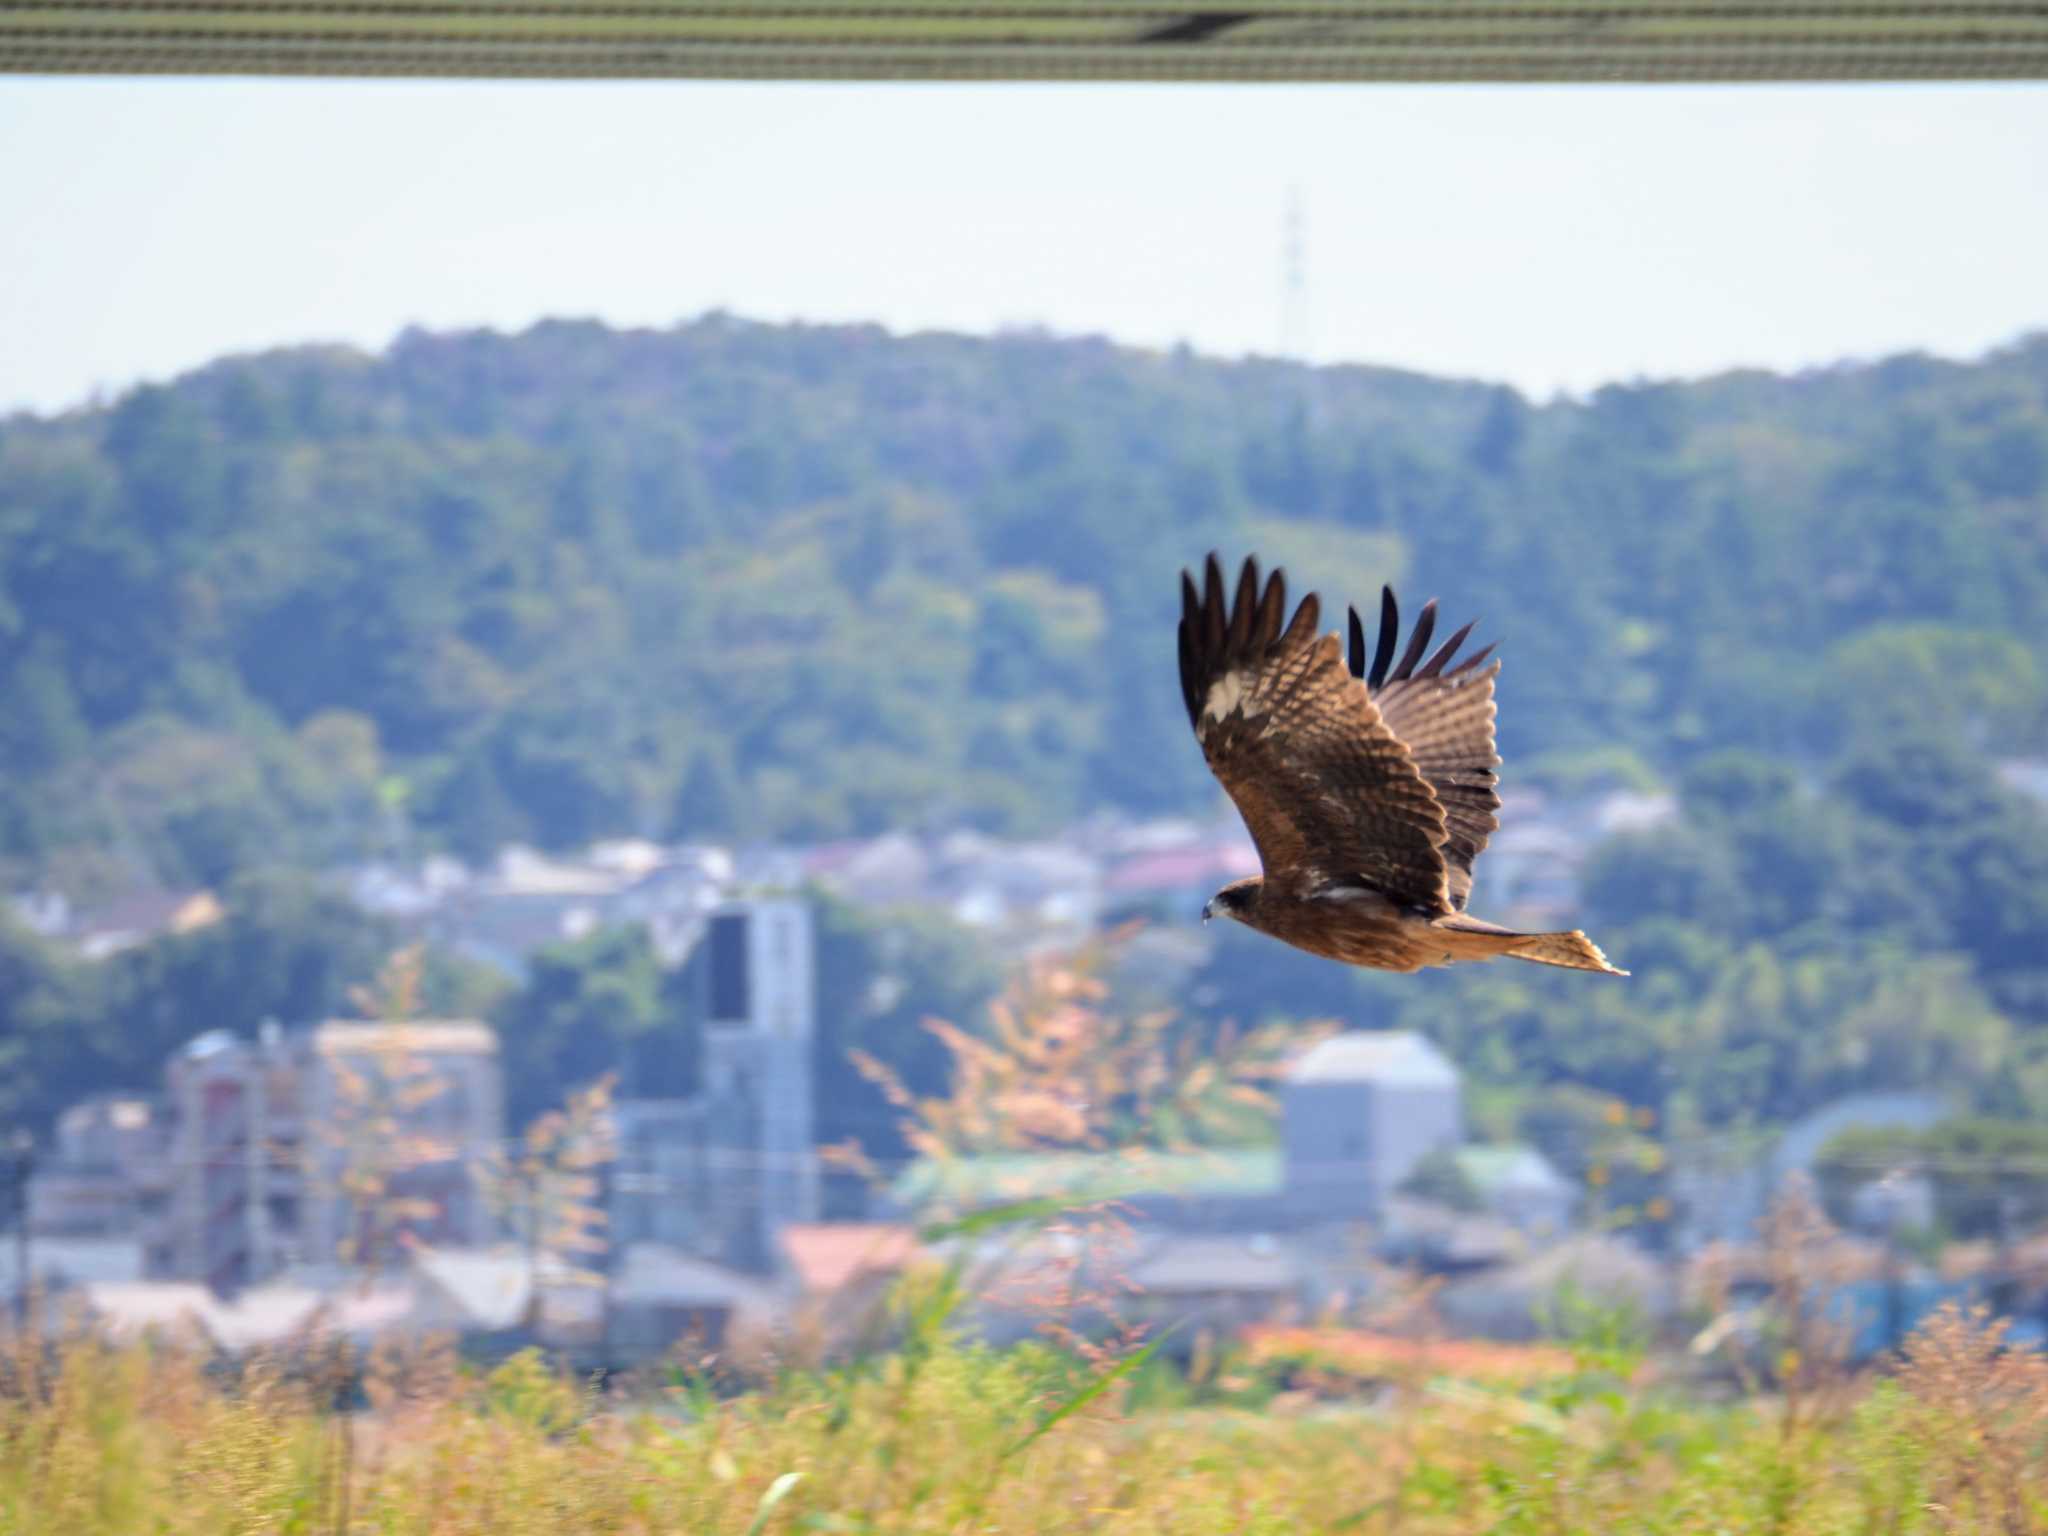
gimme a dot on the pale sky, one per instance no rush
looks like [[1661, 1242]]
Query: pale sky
[[1552, 237]]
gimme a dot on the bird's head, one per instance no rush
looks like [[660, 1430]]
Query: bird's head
[[1233, 901]]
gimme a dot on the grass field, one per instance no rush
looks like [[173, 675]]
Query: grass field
[[938, 1436], [1364, 1420]]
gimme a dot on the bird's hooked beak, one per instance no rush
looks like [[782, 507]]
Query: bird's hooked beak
[[1208, 910]]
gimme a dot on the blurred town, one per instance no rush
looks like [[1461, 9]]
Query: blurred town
[[485, 827], [361, 1174]]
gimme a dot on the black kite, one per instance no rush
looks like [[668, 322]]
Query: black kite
[[1369, 793]]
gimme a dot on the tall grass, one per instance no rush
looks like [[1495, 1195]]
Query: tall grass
[[942, 1436], [1309, 1430]]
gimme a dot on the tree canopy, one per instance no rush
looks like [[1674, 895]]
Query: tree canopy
[[800, 581], [732, 580]]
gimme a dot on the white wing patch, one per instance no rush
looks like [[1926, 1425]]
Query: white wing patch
[[1348, 895], [1226, 694]]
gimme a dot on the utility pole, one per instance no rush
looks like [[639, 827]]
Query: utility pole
[[2005, 1288], [1892, 1187], [1294, 342]]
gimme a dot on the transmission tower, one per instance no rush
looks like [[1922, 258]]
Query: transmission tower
[[1294, 341]]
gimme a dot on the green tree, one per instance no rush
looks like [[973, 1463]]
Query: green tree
[[592, 1007], [881, 977]]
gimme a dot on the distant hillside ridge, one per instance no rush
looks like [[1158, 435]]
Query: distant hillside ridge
[[764, 581]]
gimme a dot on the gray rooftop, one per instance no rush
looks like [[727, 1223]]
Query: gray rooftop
[[1394, 1057]]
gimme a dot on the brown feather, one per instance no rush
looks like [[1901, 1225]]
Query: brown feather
[[1446, 719], [1328, 792], [1272, 611], [1425, 626], [1369, 790], [1242, 611]]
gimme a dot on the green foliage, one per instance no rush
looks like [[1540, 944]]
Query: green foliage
[[1609, 1338], [881, 977], [529, 1392], [103, 1440], [1989, 1176], [592, 1006], [286, 949], [735, 579], [1440, 1177], [747, 581]]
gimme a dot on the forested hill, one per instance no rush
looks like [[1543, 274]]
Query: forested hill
[[741, 579]]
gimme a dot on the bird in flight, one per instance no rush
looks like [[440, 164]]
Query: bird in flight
[[1369, 792]]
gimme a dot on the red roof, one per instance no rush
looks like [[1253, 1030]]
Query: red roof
[[1182, 868], [824, 858], [829, 1255]]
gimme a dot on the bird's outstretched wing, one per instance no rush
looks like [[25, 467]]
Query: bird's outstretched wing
[[1443, 714], [1327, 790]]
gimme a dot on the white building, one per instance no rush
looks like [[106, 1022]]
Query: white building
[[428, 1097], [106, 1169], [722, 1174], [1521, 1186], [1358, 1112], [264, 1133]]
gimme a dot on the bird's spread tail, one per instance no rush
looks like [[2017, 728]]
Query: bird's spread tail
[[1572, 950]]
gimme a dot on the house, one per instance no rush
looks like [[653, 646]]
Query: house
[[1437, 1240], [834, 1258], [1174, 884], [888, 871], [433, 1090], [2026, 776], [107, 1167], [1220, 1282], [60, 1266], [837, 1275], [265, 1317], [1723, 1192], [1896, 1201], [672, 896], [407, 897], [1214, 1188], [1530, 875], [125, 1310], [721, 1174], [475, 1290], [1520, 1186], [1035, 886], [981, 881], [525, 900], [262, 1133], [1358, 1112], [1095, 1276], [1517, 1301], [660, 1297], [138, 918]]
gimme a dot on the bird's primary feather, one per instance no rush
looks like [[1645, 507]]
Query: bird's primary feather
[[1326, 789], [1445, 714]]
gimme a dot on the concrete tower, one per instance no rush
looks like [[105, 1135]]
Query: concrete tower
[[760, 1006], [1358, 1112]]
